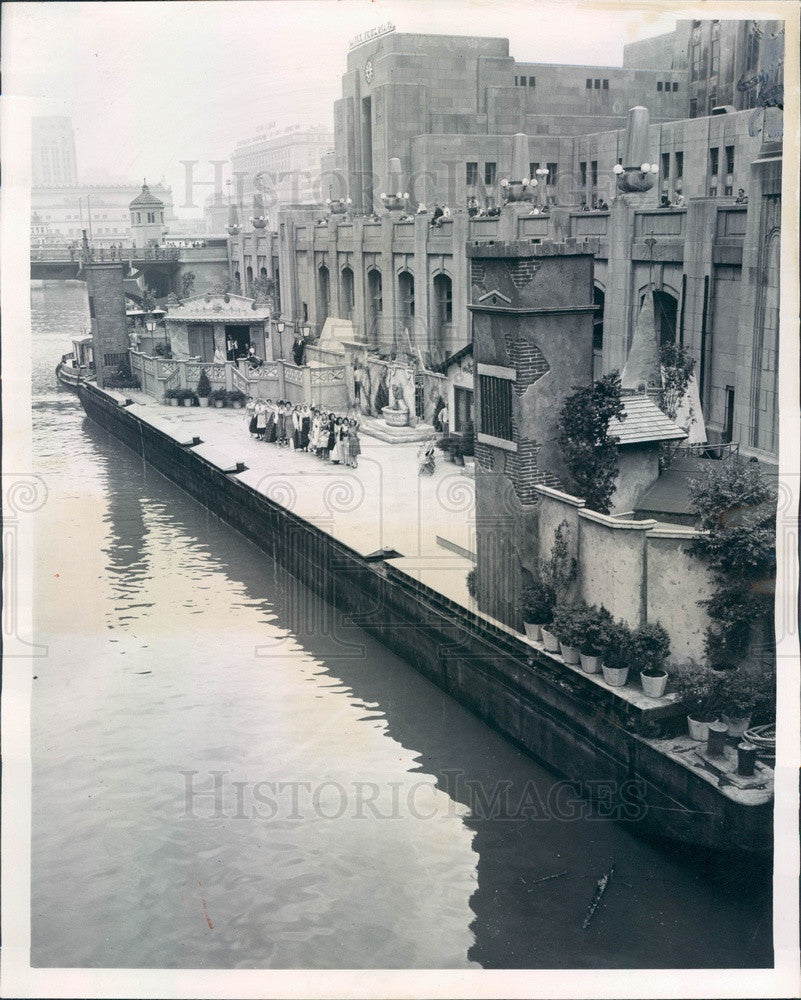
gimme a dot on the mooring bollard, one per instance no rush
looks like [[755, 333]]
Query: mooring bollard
[[746, 758], [717, 739]]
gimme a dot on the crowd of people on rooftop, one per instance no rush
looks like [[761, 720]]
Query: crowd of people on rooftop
[[327, 435]]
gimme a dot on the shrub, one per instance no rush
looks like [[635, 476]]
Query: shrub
[[559, 570], [203, 385], [617, 651], [569, 623], [698, 686], [748, 692], [650, 646], [445, 443], [188, 394], [235, 396], [218, 396], [537, 603], [162, 350], [173, 394], [597, 628], [736, 510], [589, 451], [471, 582]]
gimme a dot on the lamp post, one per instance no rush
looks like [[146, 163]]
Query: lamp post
[[279, 326]]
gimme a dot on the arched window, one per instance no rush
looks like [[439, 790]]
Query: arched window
[[249, 277], [346, 292], [599, 300], [406, 298], [323, 294], [375, 304], [442, 308]]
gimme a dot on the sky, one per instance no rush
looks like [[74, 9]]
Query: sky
[[150, 84]]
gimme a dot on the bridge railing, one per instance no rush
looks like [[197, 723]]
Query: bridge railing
[[56, 252]]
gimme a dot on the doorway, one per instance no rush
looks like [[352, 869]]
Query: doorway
[[237, 341], [462, 408]]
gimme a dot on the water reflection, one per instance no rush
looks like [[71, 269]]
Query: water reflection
[[660, 905]]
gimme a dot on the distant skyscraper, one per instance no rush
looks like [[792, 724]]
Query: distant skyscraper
[[53, 152]]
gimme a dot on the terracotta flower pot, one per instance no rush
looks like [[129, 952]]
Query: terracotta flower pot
[[590, 664], [699, 728], [550, 641], [570, 654], [615, 677], [654, 685], [736, 725], [533, 631]]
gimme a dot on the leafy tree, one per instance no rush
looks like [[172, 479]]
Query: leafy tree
[[148, 299], [589, 451], [736, 510], [187, 284], [677, 370]]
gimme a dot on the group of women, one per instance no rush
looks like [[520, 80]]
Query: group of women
[[305, 428]]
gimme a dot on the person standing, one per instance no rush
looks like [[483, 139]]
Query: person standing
[[269, 432], [444, 419], [305, 428], [354, 448], [261, 420], [250, 412]]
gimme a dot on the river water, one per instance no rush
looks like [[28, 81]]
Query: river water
[[228, 775]]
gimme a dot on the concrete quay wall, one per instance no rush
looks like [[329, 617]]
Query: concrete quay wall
[[586, 733]]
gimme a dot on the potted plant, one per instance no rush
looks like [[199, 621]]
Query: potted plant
[[568, 627], [536, 607], [173, 396], [457, 455], [698, 688], [235, 398], [188, 397], [445, 444], [617, 655], [203, 389], [747, 691], [650, 646], [218, 398], [597, 625]]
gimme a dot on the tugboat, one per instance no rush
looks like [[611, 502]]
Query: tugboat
[[78, 365]]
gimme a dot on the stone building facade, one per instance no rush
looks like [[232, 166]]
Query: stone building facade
[[400, 280]]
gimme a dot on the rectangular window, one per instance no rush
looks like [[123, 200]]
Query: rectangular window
[[532, 81], [605, 84], [594, 174], [532, 170], [659, 85], [714, 155], [730, 159], [675, 87], [496, 406], [693, 107], [589, 84], [91, 306], [471, 174], [552, 170], [728, 415], [714, 58], [583, 173], [713, 101], [665, 167], [597, 84], [696, 62], [490, 173]]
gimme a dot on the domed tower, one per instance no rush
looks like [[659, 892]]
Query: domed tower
[[147, 218]]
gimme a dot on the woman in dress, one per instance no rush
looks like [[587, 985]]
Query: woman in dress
[[281, 428], [250, 414], [261, 420], [305, 428], [354, 448], [329, 436], [269, 431], [342, 441]]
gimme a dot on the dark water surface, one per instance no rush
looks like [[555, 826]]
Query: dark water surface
[[347, 828]]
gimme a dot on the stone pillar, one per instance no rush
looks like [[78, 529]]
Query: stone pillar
[[110, 340], [617, 302]]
